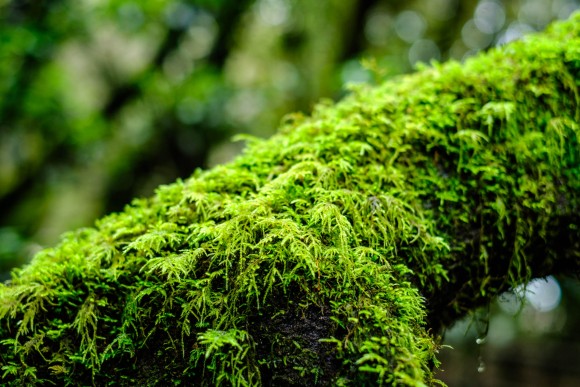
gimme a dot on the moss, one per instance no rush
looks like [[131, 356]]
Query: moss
[[331, 253]]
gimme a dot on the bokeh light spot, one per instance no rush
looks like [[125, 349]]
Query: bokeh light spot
[[489, 17], [410, 26], [131, 16], [179, 15], [353, 72], [273, 12], [515, 31], [475, 38], [543, 294], [377, 28], [537, 13], [562, 9], [424, 50], [510, 303]]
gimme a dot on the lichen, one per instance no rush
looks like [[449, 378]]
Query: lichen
[[331, 253]]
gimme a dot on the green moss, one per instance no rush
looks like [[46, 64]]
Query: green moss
[[331, 253]]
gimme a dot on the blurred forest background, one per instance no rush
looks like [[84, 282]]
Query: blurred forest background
[[103, 100]]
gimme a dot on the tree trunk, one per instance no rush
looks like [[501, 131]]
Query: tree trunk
[[332, 253]]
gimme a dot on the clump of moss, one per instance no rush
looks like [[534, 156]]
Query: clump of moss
[[331, 253]]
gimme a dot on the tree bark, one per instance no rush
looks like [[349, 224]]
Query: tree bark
[[332, 253]]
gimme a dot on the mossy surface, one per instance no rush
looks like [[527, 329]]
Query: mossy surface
[[331, 253]]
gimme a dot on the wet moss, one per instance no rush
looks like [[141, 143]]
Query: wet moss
[[331, 253]]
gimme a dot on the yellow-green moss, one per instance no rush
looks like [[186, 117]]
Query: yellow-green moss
[[331, 253]]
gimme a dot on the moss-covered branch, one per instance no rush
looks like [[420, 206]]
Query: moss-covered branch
[[331, 253]]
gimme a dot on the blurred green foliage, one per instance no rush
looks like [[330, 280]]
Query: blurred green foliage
[[102, 101]]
